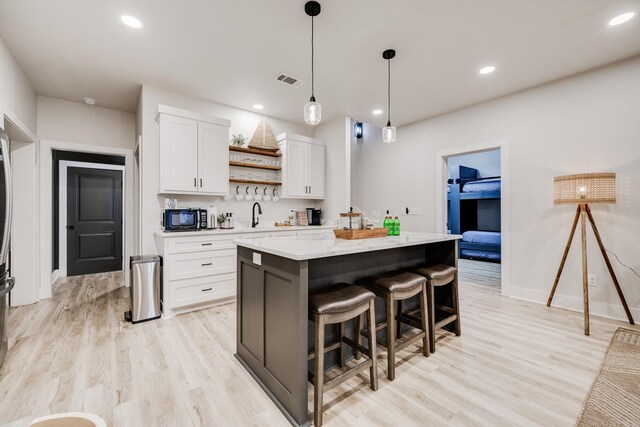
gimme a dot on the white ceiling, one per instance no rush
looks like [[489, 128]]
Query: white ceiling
[[229, 51]]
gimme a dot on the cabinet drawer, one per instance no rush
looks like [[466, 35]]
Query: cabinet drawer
[[283, 234], [198, 264], [320, 231], [177, 245], [203, 289]]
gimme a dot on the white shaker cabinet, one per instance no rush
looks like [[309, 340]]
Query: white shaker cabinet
[[303, 167], [194, 153]]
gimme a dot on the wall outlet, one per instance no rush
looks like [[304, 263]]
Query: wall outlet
[[257, 258], [592, 280], [414, 210]]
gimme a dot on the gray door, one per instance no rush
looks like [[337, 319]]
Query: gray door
[[94, 221]]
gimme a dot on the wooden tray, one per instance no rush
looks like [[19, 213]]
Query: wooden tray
[[360, 234]]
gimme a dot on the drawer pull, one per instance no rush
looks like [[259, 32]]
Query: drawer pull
[[207, 244], [207, 289], [207, 264]]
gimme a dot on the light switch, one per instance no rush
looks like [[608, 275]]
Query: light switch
[[257, 258]]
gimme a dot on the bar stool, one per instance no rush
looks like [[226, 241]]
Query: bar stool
[[336, 306], [394, 287], [440, 275]]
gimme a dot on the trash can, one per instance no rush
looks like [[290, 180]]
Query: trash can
[[146, 280]]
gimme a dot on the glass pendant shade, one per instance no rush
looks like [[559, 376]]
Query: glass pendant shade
[[389, 134], [313, 112]]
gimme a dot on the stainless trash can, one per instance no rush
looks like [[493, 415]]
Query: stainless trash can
[[146, 280]]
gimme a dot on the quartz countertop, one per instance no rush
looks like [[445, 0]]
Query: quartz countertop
[[243, 230], [301, 248]]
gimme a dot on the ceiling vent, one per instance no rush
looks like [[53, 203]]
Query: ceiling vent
[[288, 80]]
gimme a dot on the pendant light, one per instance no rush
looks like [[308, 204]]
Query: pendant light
[[389, 132], [312, 109]]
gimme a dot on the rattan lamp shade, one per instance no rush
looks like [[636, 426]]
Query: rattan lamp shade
[[585, 188]]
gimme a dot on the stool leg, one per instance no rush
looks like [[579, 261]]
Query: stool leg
[[391, 339], [341, 332], [373, 354], [432, 315], [358, 335], [424, 314], [399, 321], [318, 379], [456, 303]]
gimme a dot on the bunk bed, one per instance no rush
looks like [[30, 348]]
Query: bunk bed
[[464, 192]]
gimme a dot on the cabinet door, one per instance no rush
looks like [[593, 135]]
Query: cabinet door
[[213, 158], [316, 170], [296, 169], [178, 154]]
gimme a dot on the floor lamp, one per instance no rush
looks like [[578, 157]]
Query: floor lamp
[[582, 190]]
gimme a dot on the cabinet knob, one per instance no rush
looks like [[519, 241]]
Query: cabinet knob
[[207, 289], [207, 264], [195, 182]]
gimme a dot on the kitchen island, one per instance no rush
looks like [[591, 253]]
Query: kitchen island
[[275, 277]]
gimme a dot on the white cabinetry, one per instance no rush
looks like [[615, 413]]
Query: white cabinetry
[[303, 167], [200, 269], [194, 153]]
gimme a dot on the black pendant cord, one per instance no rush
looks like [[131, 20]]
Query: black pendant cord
[[389, 93], [313, 98]]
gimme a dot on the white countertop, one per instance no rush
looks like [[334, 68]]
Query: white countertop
[[300, 248], [259, 229]]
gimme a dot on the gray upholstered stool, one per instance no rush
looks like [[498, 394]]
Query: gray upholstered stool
[[393, 287], [336, 306], [440, 275]]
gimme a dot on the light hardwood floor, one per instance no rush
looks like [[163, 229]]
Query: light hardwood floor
[[516, 363], [479, 272]]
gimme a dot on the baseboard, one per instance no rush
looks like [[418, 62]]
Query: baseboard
[[596, 308], [55, 274]]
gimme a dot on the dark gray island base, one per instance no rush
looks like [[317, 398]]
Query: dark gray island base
[[273, 331]]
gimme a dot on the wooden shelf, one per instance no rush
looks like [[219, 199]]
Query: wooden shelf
[[255, 166], [254, 151], [250, 181]]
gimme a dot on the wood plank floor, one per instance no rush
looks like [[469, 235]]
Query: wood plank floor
[[479, 272], [516, 363]]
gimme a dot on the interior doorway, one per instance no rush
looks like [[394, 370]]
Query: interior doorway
[[88, 225], [474, 210]]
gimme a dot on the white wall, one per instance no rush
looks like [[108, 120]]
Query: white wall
[[242, 121], [18, 104], [487, 162], [365, 193], [78, 123], [586, 123], [337, 136], [17, 98]]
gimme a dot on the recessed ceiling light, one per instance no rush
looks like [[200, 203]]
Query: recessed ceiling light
[[258, 106], [621, 19], [487, 70], [131, 21], [376, 112], [90, 101]]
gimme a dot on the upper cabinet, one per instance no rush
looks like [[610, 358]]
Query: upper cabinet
[[194, 153], [303, 167]]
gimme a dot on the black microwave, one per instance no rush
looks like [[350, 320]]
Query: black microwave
[[184, 219]]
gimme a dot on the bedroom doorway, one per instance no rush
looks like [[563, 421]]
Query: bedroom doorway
[[474, 210]]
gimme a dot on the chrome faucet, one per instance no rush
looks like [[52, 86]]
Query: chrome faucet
[[254, 220]]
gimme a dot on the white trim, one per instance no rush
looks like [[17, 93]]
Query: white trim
[[179, 112], [62, 207], [28, 133], [505, 220], [54, 276], [45, 204], [299, 138]]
